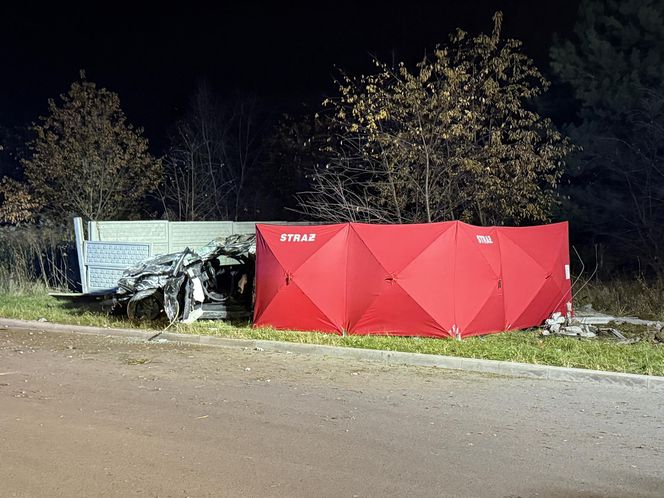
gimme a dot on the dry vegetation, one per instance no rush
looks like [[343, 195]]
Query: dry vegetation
[[35, 257]]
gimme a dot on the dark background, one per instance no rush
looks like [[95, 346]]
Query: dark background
[[283, 53]]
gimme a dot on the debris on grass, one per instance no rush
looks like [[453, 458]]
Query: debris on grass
[[587, 323], [588, 316], [560, 325]]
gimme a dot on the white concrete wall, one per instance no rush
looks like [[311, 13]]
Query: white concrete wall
[[171, 236]]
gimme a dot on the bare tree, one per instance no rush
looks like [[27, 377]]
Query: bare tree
[[242, 149], [349, 187], [214, 150], [195, 187], [637, 162]]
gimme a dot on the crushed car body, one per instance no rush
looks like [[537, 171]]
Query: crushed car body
[[215, 281]]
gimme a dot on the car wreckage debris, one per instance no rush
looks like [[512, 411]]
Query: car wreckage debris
[[192, 284]]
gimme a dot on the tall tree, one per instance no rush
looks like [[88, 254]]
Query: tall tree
[[614, 64], [454, 139], [214, 152], [293, 150], [87, 159], [195, 185]]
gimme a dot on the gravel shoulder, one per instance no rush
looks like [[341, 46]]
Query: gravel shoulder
[[93, 415]]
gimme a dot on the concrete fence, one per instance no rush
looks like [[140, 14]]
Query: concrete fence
[[112, 246]]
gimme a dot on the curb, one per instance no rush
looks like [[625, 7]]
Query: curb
[[523, 370]]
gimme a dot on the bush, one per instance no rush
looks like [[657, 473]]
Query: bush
[[42, 256], [626, 297]]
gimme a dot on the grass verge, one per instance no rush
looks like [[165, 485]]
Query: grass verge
[[524, 346]]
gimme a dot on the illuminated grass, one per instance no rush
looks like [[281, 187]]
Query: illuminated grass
[[525, 347]]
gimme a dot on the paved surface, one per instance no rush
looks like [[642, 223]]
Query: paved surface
[[95, 416], [505, 368]]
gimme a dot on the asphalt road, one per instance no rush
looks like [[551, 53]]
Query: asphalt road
[[95, 416]]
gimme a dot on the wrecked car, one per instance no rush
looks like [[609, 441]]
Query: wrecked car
[[215, 281]]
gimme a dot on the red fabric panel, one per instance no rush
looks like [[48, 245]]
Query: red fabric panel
[[292, 309], [365, 279], [429, 278], [322, 277], [395, 312], [270, 277], [536, 284], [537, 307], [301, 281], [395, 246], [436, 280], [380, 279], [478, 281], [291, 253]]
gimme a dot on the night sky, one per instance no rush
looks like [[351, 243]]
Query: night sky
[[282, 53]]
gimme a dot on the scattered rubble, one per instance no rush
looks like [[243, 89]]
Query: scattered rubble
[[587, 315], [588, 323], [560, 325]]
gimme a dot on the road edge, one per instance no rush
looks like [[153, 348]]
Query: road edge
[[507, 368]]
